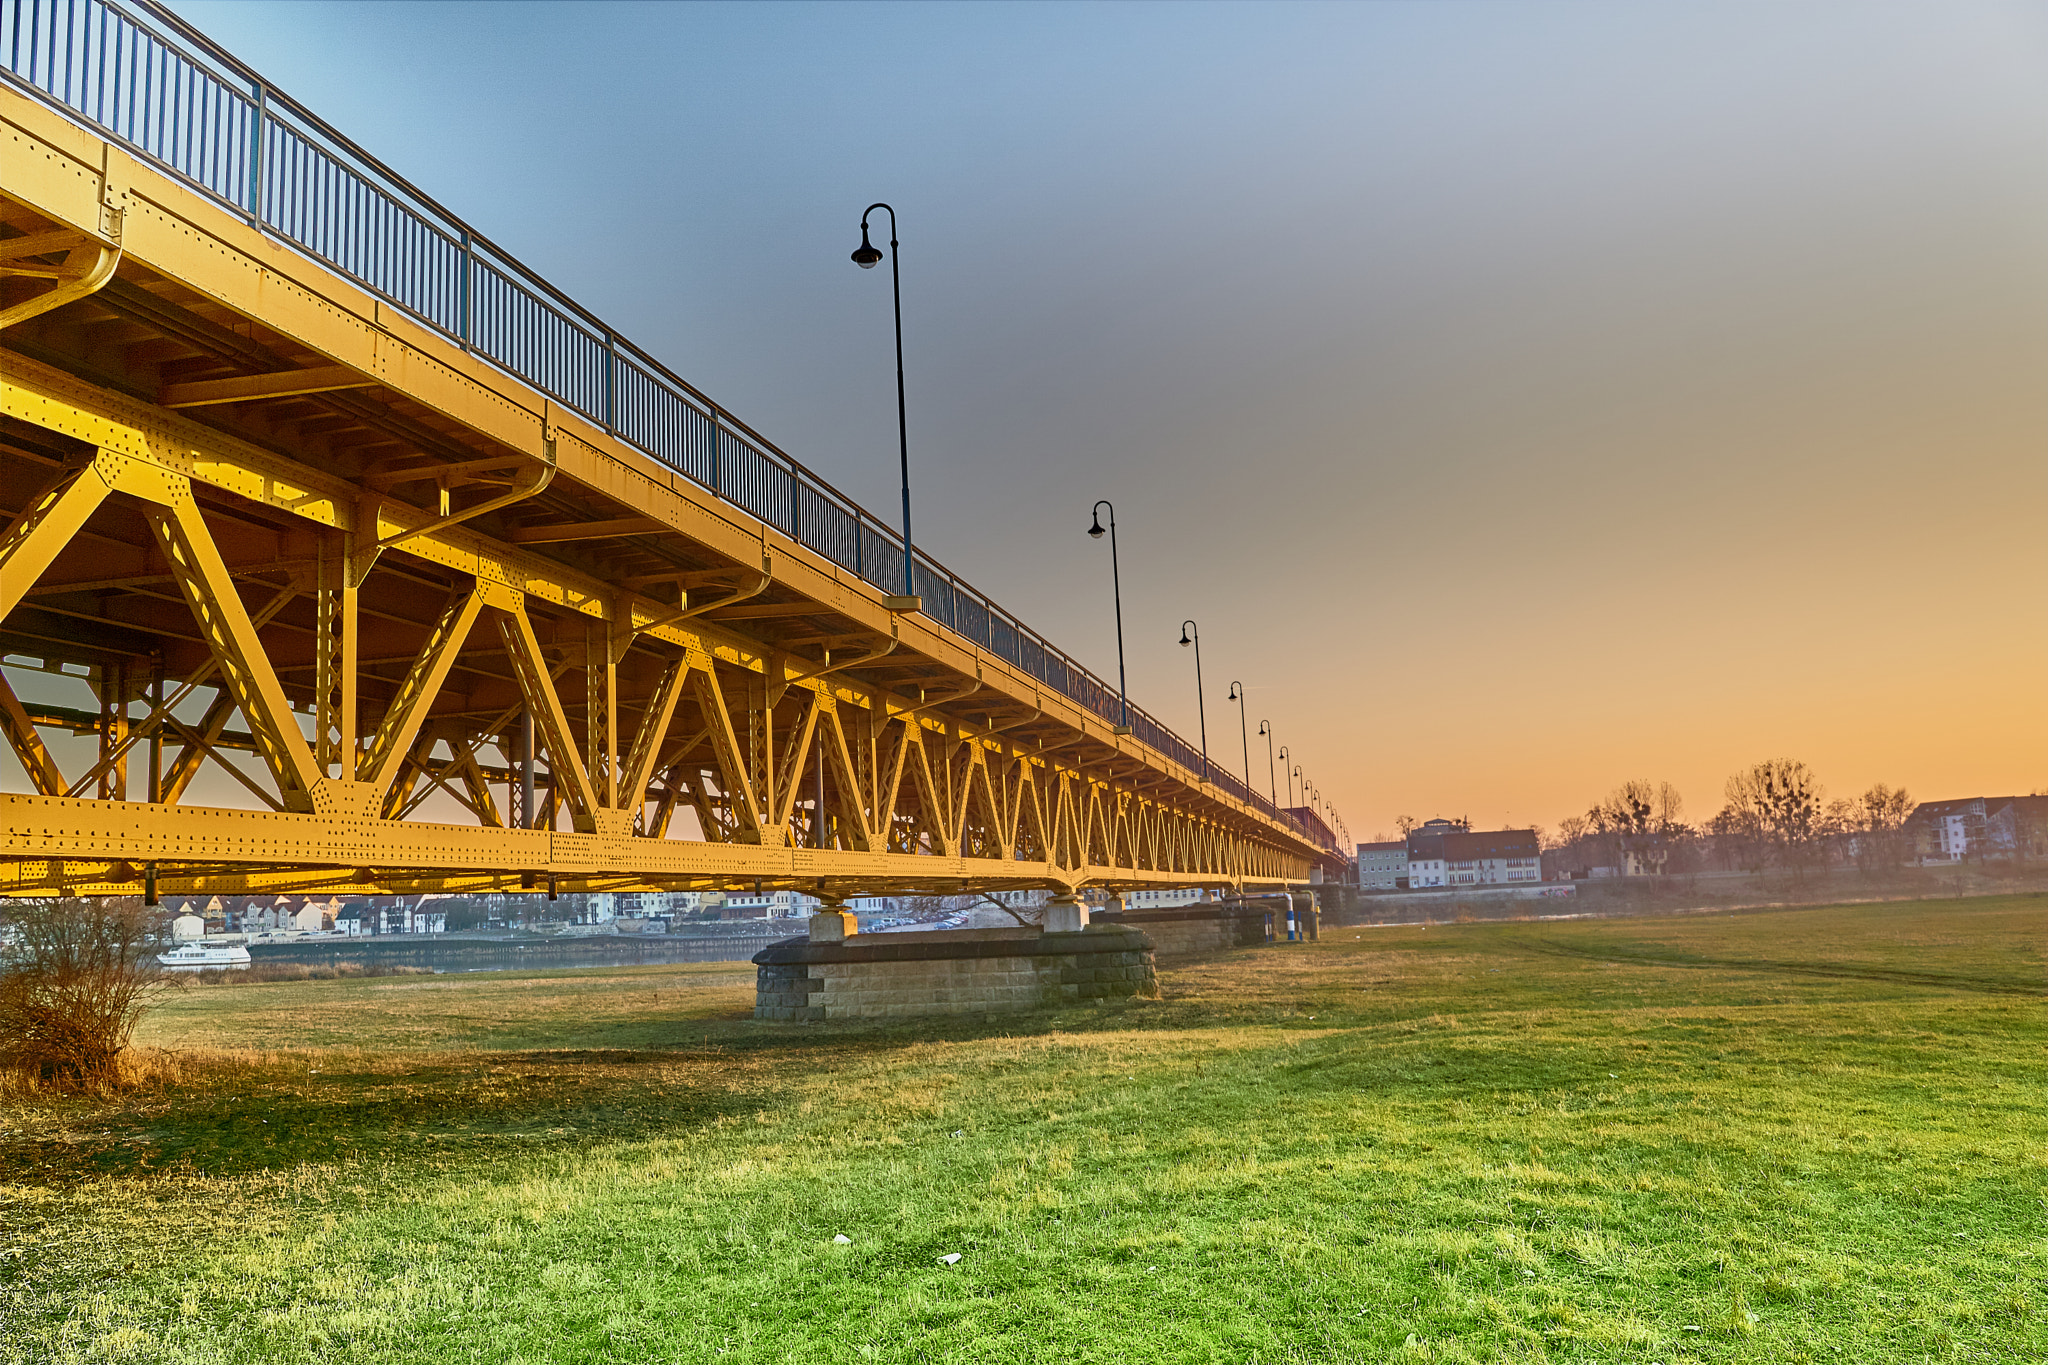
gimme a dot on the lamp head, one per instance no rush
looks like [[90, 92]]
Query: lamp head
[[1095, 531], [1184, 635], [1262, 728], [867, 256], [1235, 694]]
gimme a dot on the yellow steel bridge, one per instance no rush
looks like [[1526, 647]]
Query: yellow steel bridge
[[343, 553]]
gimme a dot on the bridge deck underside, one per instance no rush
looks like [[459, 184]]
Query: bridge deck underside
[[288, 582]]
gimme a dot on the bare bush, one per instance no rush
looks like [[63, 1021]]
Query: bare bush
[[74, 982]]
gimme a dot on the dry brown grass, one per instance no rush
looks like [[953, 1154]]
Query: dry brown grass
[[260, 972]]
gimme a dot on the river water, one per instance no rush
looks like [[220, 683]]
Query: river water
[[498, 955]]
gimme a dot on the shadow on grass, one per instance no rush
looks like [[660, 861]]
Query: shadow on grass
[[435, 1109]]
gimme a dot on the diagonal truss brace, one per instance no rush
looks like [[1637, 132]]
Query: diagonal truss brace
[[571, 780], [408, 709], [638, 769], [27, 744], [202, 576]]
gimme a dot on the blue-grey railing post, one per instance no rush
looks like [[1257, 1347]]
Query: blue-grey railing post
[[796, 530], [611, 369], [712, 462], [256, 143], [462, 290]]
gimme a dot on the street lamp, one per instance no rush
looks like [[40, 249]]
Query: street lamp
[[1201, 706], [867, 256], [1243, 731], [1290, 783], [1272, 786], [1123, 691], [1290, 780]]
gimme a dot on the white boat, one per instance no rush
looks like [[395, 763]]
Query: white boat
[[198, 957]]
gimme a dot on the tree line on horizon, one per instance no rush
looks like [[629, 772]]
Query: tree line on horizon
[[1774, 814]]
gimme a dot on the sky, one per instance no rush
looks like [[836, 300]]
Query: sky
[[1523, 398]]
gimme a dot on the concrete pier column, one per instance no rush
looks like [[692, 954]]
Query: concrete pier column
[[1115, 904], [1065, 914], [833, 923]]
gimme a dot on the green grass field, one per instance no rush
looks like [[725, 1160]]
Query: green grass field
[[1811, 1135]]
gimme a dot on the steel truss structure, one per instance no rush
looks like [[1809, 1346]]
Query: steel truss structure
[[443, 632]]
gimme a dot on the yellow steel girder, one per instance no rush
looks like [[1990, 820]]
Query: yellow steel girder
[[910, 788]]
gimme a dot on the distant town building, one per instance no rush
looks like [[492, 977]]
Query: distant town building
[[1383, 867], [1449, 853], [1979, 827], [1151, 899], [652, 905], [767, 905]]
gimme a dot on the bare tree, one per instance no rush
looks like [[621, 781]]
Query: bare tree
[[930, 907], [1740, 839], [1779, 799], [1030, 921], [942, 907], [1640, 822], [75, 980], [1881, 826]]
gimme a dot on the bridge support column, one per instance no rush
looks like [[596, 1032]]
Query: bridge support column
[[1065, 914], [833, 923]]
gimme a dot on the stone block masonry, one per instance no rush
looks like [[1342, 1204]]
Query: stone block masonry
[[964, 971], [1206, 928]]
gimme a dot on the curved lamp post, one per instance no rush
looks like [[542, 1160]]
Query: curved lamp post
[[867, 256], [1272, 785], [1201, 706], [1290, 780], [1123, 691], [1243, 731], [1290, 783]]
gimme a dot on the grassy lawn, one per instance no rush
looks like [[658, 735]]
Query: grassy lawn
[[1811, 1135]]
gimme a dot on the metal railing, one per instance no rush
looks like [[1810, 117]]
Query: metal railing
[[168, 93]]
